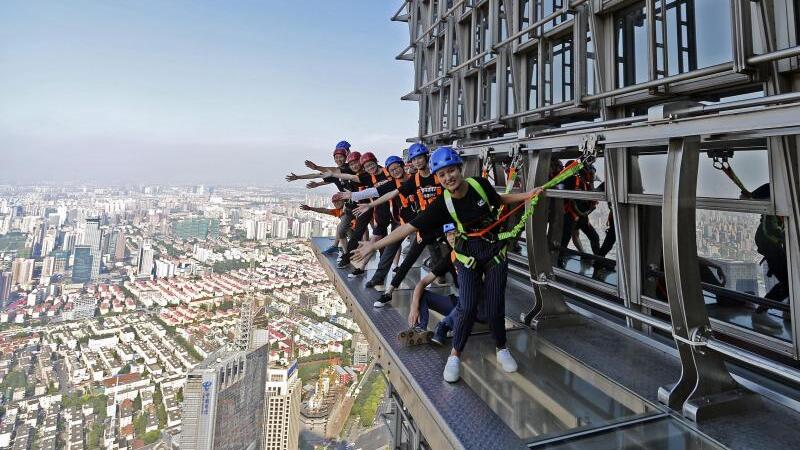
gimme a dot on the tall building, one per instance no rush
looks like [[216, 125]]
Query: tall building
[[305, 230], [84, 307], [261, 230], [118, 250], [280, 228], [5, 287], [146, 255], [82, 265], [360, 349], [48, 267], [282, 411], [92, 237], [21, 271], [61, 261], [223, 401], [250, 229]]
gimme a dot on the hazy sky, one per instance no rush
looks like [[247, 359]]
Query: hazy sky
[[196, 91]]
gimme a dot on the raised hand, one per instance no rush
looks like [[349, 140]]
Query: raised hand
[[305, 207], [292, 177], [313, 166], [314, 184], [361, 209], [361, 255]]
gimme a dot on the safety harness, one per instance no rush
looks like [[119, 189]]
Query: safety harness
[[721, 163], [422, 201], [500, 217]]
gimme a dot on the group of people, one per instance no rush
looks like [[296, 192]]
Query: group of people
[[427, 200]]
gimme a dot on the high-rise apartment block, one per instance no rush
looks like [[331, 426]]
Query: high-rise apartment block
[[282, 412], [223, 401]]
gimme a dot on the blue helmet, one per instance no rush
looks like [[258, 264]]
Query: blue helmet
[[392, 160], [417, 150], [448, 227], [343, 145], [444, 157]]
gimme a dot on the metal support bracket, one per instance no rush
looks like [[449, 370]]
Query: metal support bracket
[[706, 388]]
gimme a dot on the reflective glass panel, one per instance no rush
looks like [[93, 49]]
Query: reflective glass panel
[[660, 434], [743, 268], [749, 167], [551, 393]]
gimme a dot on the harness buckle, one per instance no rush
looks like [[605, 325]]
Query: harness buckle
[[588, 148], [468, 261]]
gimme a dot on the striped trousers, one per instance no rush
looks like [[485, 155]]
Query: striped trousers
[[478, 287]]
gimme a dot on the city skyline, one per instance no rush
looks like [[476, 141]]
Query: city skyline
[[192, 92]]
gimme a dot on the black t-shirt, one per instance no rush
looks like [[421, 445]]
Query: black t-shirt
[[473, 213], [406, 213], [342, 185], [378, 181], [429, 188]]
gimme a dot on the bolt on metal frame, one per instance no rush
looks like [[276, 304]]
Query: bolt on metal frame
[[536, 76]]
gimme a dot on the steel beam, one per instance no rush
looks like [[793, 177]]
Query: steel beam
[[705, 388], [549, 308]]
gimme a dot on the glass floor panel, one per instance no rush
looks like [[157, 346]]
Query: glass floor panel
[[660, 434], [600, 271], [551, 394]]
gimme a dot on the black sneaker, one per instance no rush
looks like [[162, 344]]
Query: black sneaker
[[372, 283], [343, 262], [382, 300], [440, 335], [355, 273]]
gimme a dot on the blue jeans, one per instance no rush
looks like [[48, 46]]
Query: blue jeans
[[444, 305]]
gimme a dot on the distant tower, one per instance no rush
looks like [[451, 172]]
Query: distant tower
[[247, 313], [92, 237]]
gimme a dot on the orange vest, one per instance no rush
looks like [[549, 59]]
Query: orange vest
[[423, 202]]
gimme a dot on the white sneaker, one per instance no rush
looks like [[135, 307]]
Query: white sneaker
[[379, 287], [506, 360], [452, 369]]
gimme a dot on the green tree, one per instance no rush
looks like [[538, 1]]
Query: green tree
[[140, 425], [151, 437], [94, 436]]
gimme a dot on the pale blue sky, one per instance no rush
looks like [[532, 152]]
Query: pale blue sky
[[196, 91]]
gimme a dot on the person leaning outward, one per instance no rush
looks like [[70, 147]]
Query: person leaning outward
[[424, 186], [402, 208], [340, 153], [372, 175], [472, 205]]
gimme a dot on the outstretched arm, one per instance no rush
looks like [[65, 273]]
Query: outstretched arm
[[309, 176], [508, 199], [339, 175], [365, 249], [314, 166], [328, 211], [361, 209]]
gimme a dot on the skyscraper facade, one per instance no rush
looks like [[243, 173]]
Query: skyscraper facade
[[82, 265], [22, 271], [282, 411], [146, 255], [5, 287], [92, 237], [223, 406]]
